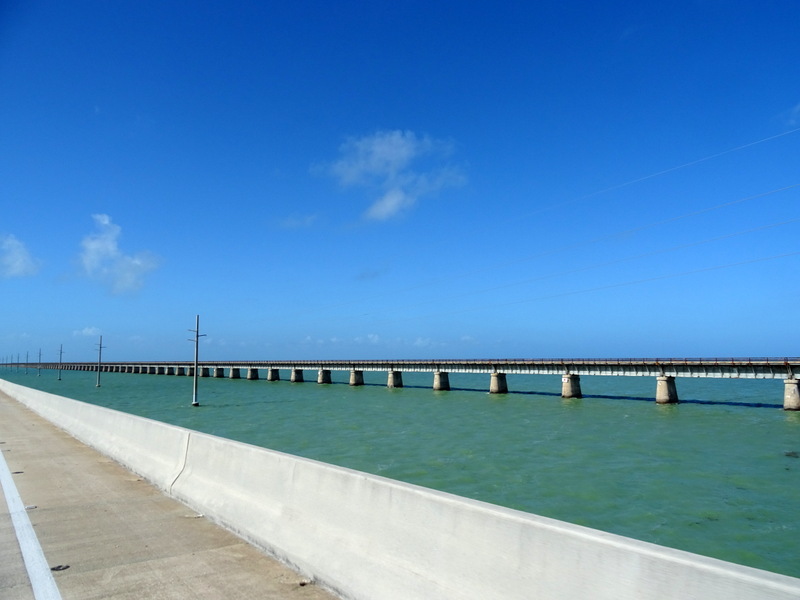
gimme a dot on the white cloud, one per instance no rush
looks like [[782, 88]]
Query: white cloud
[[15, 260], [389, 205], [382, 155], [103, 261], [424, 342], [398, 165], [88, 332]]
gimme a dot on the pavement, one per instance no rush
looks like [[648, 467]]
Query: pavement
[[106, 533]]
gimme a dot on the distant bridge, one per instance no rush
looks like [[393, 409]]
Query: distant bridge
[[665, 370]]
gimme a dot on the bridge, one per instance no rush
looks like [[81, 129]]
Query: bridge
[[664, 370]]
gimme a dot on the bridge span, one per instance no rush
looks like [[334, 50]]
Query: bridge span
[[665, 371]]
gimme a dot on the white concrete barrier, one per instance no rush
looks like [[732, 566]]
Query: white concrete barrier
[[368, 537], [149, 448]]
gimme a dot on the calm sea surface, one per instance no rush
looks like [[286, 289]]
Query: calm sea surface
[[718, 474]]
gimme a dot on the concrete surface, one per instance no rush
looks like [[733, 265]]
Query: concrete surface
[[118, 536]]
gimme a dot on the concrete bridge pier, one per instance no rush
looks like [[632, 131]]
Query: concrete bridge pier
[[395, 379], [297, 376], [356, 377], [273, 375], [160, 371], [441, 381], [498, 385], [170, 371], [180, 371], [571, 386], [252, 374], [666, 392], [234, 373], [791, 394], [324, 376], [219, 372], [204, 371]]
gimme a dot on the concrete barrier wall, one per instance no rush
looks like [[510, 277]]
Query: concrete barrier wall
[[372, 538], [154, 450]]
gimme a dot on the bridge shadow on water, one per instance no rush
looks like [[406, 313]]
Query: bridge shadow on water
[[648, 399], [690, 401]]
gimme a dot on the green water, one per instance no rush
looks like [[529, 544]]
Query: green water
[[718, 474]]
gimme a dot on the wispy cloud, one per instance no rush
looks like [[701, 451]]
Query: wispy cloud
[[87, 332], [103, 261], [15, 260], [398, 166], [370, 338]]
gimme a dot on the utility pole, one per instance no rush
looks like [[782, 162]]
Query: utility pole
[[196, 340], [99, 359], [60, 354]]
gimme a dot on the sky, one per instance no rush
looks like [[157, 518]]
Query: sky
[[437, 179]]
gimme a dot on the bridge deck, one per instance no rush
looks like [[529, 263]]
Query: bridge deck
[[109, 534], [735, 368]]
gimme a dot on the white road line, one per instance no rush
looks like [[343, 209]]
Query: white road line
[[39, 574]]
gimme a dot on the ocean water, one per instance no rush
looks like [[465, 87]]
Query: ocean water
[[717, 474]]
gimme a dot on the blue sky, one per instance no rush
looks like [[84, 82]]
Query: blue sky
[[399, 180]]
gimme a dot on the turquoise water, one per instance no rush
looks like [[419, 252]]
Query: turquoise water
[[718, 474]]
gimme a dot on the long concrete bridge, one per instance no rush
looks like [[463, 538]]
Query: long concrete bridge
[[665, 371]]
